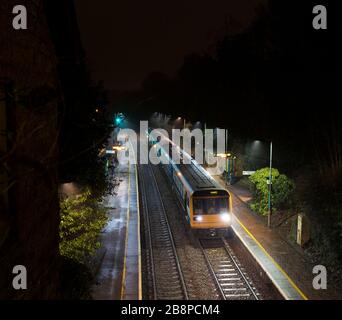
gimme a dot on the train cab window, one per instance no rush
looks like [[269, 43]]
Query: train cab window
[[211, 205], [215, 205], [198, 206]]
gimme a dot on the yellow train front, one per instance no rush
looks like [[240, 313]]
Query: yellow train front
[[207, 205], [210, 212]]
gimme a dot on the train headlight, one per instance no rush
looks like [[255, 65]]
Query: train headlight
[[226, 217], [198, 218]]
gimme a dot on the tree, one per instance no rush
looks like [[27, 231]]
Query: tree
[[282, 190], [82, 219]]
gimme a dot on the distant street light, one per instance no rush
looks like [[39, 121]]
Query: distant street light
[[119, 148], [223, 155], [184, 121]]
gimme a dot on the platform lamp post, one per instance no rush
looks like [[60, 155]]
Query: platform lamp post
[[204, 142], [227, 155], [270, 189]]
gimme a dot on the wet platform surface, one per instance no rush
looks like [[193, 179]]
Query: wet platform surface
[[119, 275], [287, 267]]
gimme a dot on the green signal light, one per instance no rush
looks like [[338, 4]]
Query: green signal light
[[119, 118]]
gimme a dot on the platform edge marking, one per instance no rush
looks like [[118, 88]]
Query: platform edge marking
[[139, 237], [123, 281], [274, 262]]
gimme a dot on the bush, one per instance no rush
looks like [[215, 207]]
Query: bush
[[282, 191], [82, 219]]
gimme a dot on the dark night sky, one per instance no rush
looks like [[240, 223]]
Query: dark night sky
[[124, 40]]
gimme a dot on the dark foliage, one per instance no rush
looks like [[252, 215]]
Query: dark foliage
[[277, 80], [75, 280], [83, 119]]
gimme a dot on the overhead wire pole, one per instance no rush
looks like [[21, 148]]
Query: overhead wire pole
[[270, 189]]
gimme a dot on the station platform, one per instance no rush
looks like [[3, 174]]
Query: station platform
[[287, 267], [119, 275]]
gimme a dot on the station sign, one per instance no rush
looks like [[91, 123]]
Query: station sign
[[247, 173]]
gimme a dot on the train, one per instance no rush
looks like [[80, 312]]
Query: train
[[208, 206]]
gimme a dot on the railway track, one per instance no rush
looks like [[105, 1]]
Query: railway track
[[166, 276], [231, 280]]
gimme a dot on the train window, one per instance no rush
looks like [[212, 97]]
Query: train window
[[215, 205], [198, 206], [211, 205]]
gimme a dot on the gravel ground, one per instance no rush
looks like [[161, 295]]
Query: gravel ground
[[260, 280]]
